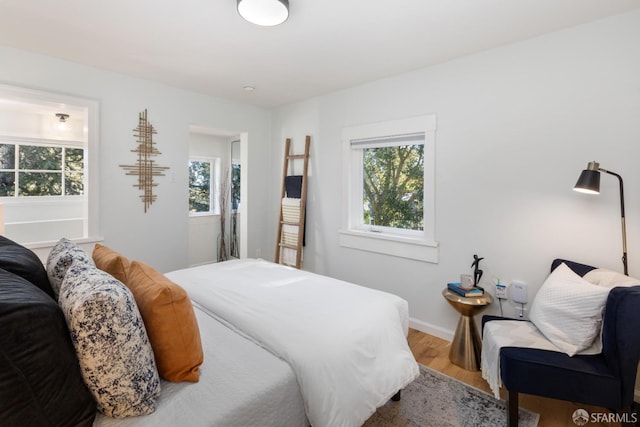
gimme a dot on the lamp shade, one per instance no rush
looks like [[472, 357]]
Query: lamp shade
[[588, 182], [266, 13]]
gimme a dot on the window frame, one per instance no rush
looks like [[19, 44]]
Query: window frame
[[214, 185], [412, 244], [91, 219]]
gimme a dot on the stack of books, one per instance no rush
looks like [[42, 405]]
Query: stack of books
[[465, 291]]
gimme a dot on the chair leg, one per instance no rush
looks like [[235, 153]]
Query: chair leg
[[632, 415], [512, 408], [396, 397]]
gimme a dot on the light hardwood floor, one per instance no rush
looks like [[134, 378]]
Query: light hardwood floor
[[434, 353]]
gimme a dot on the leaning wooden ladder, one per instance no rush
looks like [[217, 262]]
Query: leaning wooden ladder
[[284, 220]]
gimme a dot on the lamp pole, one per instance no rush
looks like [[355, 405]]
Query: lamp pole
[[624, 227]]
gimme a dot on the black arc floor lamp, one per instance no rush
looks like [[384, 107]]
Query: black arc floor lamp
[[589, 182]]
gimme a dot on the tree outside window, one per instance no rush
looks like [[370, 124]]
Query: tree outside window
[[393, 186], [235, 187], [200, 186], [74, 172]]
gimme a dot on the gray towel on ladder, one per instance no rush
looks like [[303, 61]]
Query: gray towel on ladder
[[293, 186], [293, 189]]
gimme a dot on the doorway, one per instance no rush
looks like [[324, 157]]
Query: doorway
[[215, 158]]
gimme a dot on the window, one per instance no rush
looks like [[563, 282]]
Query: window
[[389, 199], [48, 166], [35, 171], [203, 198]]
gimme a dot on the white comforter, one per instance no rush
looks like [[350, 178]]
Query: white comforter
[[346, 343]]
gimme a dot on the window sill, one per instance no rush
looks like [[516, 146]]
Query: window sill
[[203, 215], [50, 244], [42, 249], [403, 247]]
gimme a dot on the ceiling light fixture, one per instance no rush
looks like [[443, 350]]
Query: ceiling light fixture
[[266, 13], [62, 125]]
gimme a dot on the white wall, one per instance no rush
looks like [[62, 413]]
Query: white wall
[[516, 125], [160, 236]]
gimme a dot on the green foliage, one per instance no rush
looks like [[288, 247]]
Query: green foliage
[[393, 186], [199, 186], [7, 156], [7, 184], [74, 159], [8, 178], [40, 184], [235, 187], [40, 158], [73, 184]]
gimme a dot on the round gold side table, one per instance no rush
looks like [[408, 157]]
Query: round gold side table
[[467, 345]]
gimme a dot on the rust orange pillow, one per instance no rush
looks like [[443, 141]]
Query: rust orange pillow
[[170, 321], [110, 261]]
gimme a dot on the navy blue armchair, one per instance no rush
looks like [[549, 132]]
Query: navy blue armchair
[[606, 379]]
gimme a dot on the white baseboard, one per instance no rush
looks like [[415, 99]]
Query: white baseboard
[[430, 329]]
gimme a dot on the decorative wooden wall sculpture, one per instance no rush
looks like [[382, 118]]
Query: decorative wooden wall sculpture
[[145, 168]]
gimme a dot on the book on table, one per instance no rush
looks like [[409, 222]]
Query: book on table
[[473, 291]]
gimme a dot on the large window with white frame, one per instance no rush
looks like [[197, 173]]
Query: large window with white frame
[[48, 166], [389, 193]]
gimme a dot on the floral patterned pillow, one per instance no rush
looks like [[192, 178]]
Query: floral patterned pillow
[[63, 254], [116, 359]]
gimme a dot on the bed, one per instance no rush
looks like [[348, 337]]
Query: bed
[[346, 343], [240, 384], [282, 347]]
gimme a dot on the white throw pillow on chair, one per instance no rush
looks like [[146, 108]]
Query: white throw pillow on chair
[[568, 310]]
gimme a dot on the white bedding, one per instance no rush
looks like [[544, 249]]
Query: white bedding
[[346, 343], [240, 384]]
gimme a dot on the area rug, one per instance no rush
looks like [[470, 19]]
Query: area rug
[[436, 400]]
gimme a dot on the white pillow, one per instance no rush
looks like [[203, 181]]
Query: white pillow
[[609, 278], [568, 310]]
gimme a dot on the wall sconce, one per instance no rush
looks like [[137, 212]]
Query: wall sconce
[[62, 124], [589, 182]]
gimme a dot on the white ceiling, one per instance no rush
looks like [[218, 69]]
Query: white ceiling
[[325, 45]]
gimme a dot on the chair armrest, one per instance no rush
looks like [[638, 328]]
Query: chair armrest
[[489, 317], [579, 269]]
